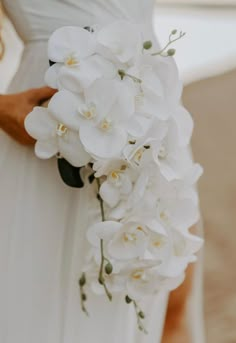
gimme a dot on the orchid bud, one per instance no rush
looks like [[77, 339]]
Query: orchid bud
[[82, 280], [147, 45], [121, 73], [128, 300], [174, 32], [101, 280], [141, 315], [84, 297], [108, 268], [171, 52]]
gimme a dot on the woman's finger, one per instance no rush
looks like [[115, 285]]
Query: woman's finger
[[39, 95]]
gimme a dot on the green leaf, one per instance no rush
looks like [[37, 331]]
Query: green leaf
[[70, 174]]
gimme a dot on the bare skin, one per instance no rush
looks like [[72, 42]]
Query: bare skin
[[176, 329], [15, 107]]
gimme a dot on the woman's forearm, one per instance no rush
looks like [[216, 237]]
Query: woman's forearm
[[15, 107], [4, 108], [176, 324]]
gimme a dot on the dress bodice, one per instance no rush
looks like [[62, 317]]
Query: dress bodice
[[37, 19]]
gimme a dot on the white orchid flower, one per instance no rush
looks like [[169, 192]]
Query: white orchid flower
[[185, 188], [129, 242], [144, 193], [105, 167], [149, 97], [122, 39], [77, 65], [158, 91], [159, 244], [117, 186], [172, 159], [184, 248], [143, 279], [139, 151], [102, 230], [180, 214], [119, 211], [100, 116], [167, 72], [184, 124], [54, 137], [81, 77], [106, 134]]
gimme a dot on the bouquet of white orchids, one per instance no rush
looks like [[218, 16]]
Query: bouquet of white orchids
[[117, 111]]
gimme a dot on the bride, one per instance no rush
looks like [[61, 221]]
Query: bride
[[43, 222]]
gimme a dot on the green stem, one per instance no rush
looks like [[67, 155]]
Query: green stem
[[171, 41], [101, 278], [100, 200], [134, 78], [122, 74], [139, 321], [82, 301]]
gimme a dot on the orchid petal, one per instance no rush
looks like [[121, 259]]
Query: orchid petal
[[70, 39]]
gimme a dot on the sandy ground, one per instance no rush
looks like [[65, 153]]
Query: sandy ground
[[213, 105]]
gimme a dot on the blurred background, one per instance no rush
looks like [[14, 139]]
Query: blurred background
[[206, 57]]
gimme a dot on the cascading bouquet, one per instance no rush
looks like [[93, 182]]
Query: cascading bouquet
[[118, 111]]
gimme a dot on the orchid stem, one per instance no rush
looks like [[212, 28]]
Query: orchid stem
[[139, 313], [123, 73], [82, 301], [83, 296], [171, 41], [139, 317], [101, 278], [100, 200]]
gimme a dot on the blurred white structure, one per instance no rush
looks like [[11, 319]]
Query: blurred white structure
[[208, 48], [198, 2]]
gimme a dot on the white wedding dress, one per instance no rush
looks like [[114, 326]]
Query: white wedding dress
[[43, 222]]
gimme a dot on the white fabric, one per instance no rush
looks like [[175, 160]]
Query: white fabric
[[43, 222]]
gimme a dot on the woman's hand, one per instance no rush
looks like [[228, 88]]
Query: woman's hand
[[15, 107]]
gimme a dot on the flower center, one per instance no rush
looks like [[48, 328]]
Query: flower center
[[115, 175], [138, 155], [138, 275], [162, 153], [105, 125], [129, 237], [72, 61], [159, 242], [61, 130], [164, 216], [141, 229], [88, 112]]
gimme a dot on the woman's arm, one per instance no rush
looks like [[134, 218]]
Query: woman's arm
[[176, 325], [15, 107], [181, 302]]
